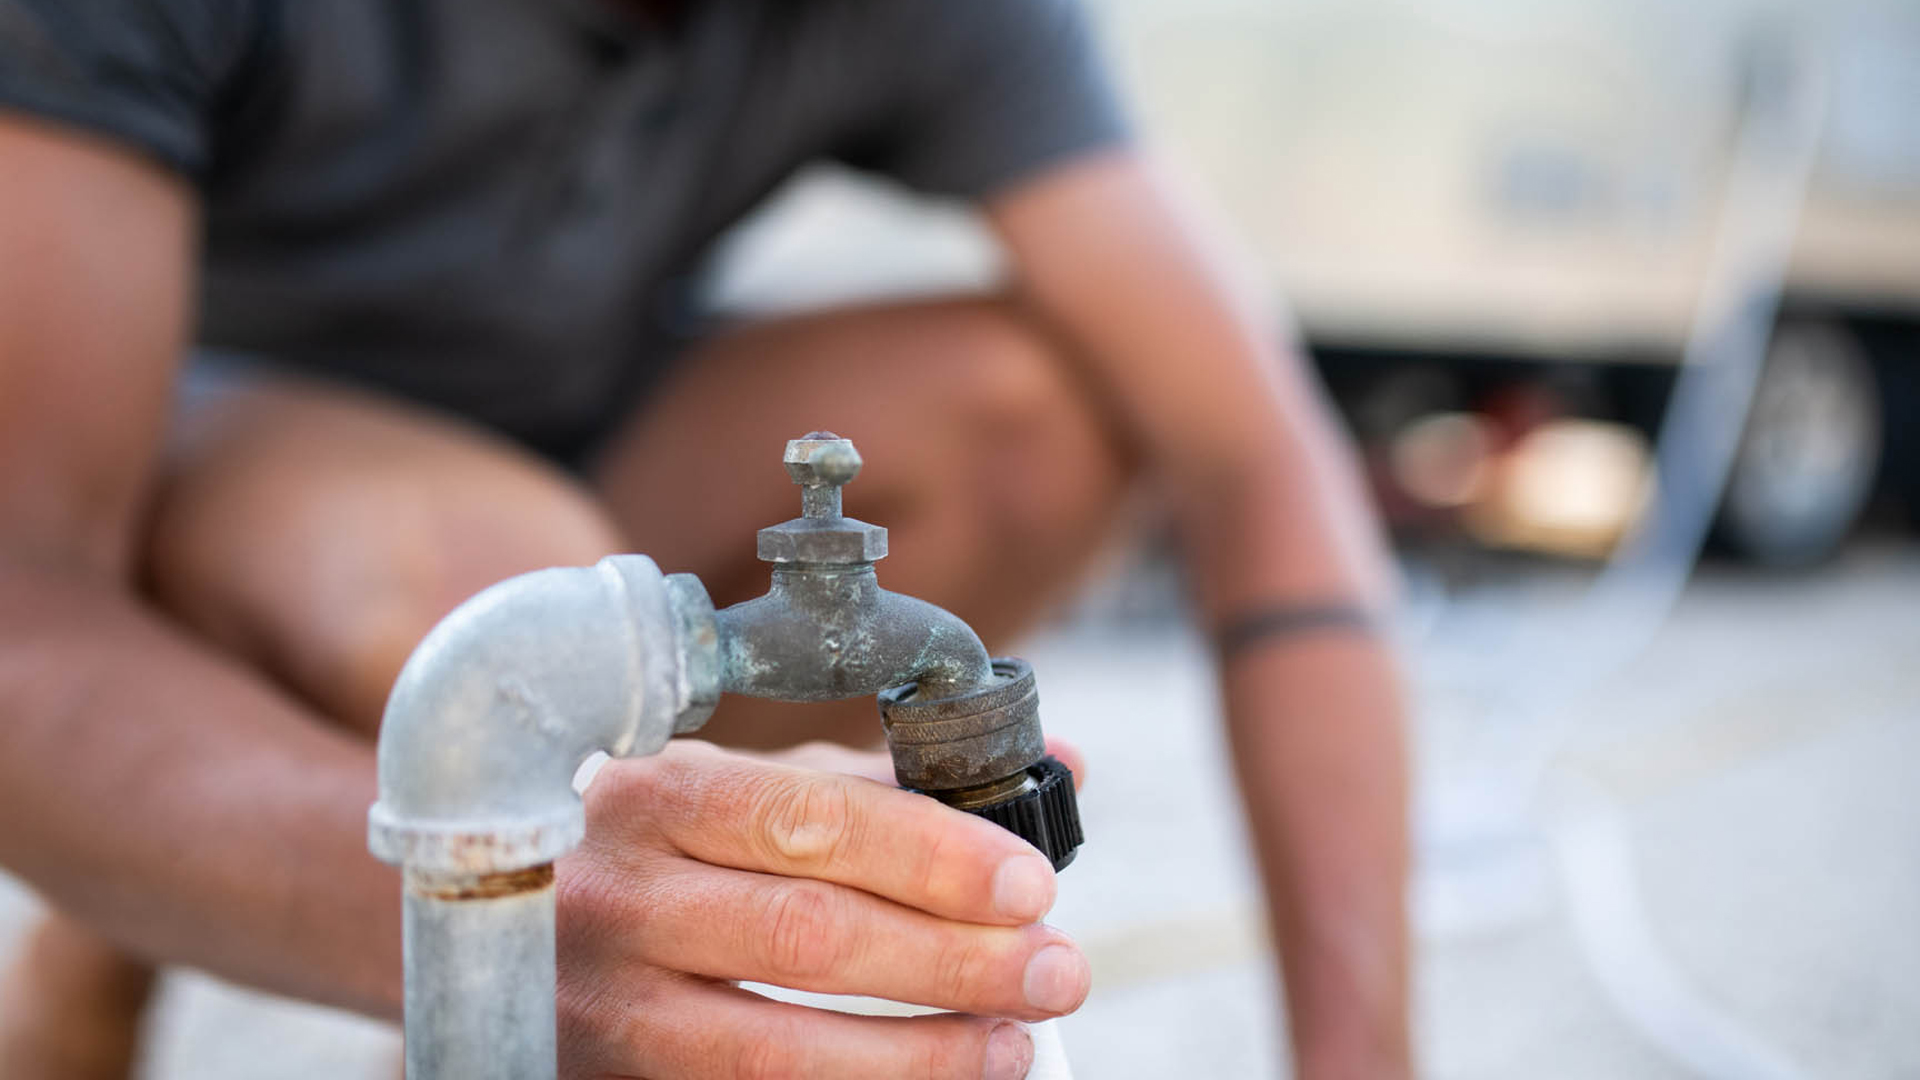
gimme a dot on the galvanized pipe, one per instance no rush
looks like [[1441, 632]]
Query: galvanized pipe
[[480, 961]]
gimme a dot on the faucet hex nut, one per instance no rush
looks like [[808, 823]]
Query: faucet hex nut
[[827, 541], [698, 636]]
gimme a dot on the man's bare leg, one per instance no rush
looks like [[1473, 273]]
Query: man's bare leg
[[318, 533], [988, 461], [71, 1005]]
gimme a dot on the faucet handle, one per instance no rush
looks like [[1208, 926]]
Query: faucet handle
[[820, 462], [822, 458]]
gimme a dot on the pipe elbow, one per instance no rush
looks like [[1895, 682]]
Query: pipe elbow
[[498, 706]]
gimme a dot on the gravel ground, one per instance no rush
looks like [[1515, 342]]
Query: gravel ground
[[1719, 868]]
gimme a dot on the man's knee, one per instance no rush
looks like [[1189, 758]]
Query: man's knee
[[308, 581], [326, 570], [1036, 447]]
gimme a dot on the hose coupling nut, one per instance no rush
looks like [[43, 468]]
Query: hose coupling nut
[[982, 751]]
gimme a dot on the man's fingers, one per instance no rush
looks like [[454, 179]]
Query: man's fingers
[[750, 815], [709, 1031], [813, 935]]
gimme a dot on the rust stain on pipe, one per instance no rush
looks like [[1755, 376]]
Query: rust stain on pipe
[[483, 886]]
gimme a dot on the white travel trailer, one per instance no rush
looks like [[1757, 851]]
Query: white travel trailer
[[1502, 185], [1543, 181]]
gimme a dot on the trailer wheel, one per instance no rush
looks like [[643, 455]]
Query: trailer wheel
[[1808, 456]]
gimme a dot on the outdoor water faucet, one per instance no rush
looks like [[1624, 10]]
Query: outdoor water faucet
[[505, 698], [825, 630], [961, 727]]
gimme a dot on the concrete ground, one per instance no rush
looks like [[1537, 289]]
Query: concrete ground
[[1716, 876]]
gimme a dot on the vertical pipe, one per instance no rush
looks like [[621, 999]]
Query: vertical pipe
[[480, 976]]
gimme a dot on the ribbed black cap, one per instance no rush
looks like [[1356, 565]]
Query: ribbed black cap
[[1048, 816]]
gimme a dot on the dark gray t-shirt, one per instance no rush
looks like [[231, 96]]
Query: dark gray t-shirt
[[491, 205]]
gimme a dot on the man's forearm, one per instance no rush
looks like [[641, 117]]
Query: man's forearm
[[182, 805], [1111, 253], [1315, 720], [1316, 723], [1316, 743]]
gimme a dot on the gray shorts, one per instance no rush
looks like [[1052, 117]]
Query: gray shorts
[[212, 374]]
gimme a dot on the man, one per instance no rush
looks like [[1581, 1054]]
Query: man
[[419, 266]]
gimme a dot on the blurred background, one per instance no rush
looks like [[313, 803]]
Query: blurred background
[[1621, 302]]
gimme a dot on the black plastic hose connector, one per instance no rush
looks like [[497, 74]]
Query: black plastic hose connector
[[1046, 815]]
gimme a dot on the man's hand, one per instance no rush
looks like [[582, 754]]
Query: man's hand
[[701, 867]]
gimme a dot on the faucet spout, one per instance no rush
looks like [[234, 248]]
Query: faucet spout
[[827, 633]]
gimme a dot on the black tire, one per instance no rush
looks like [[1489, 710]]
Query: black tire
[[1811, 449]]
